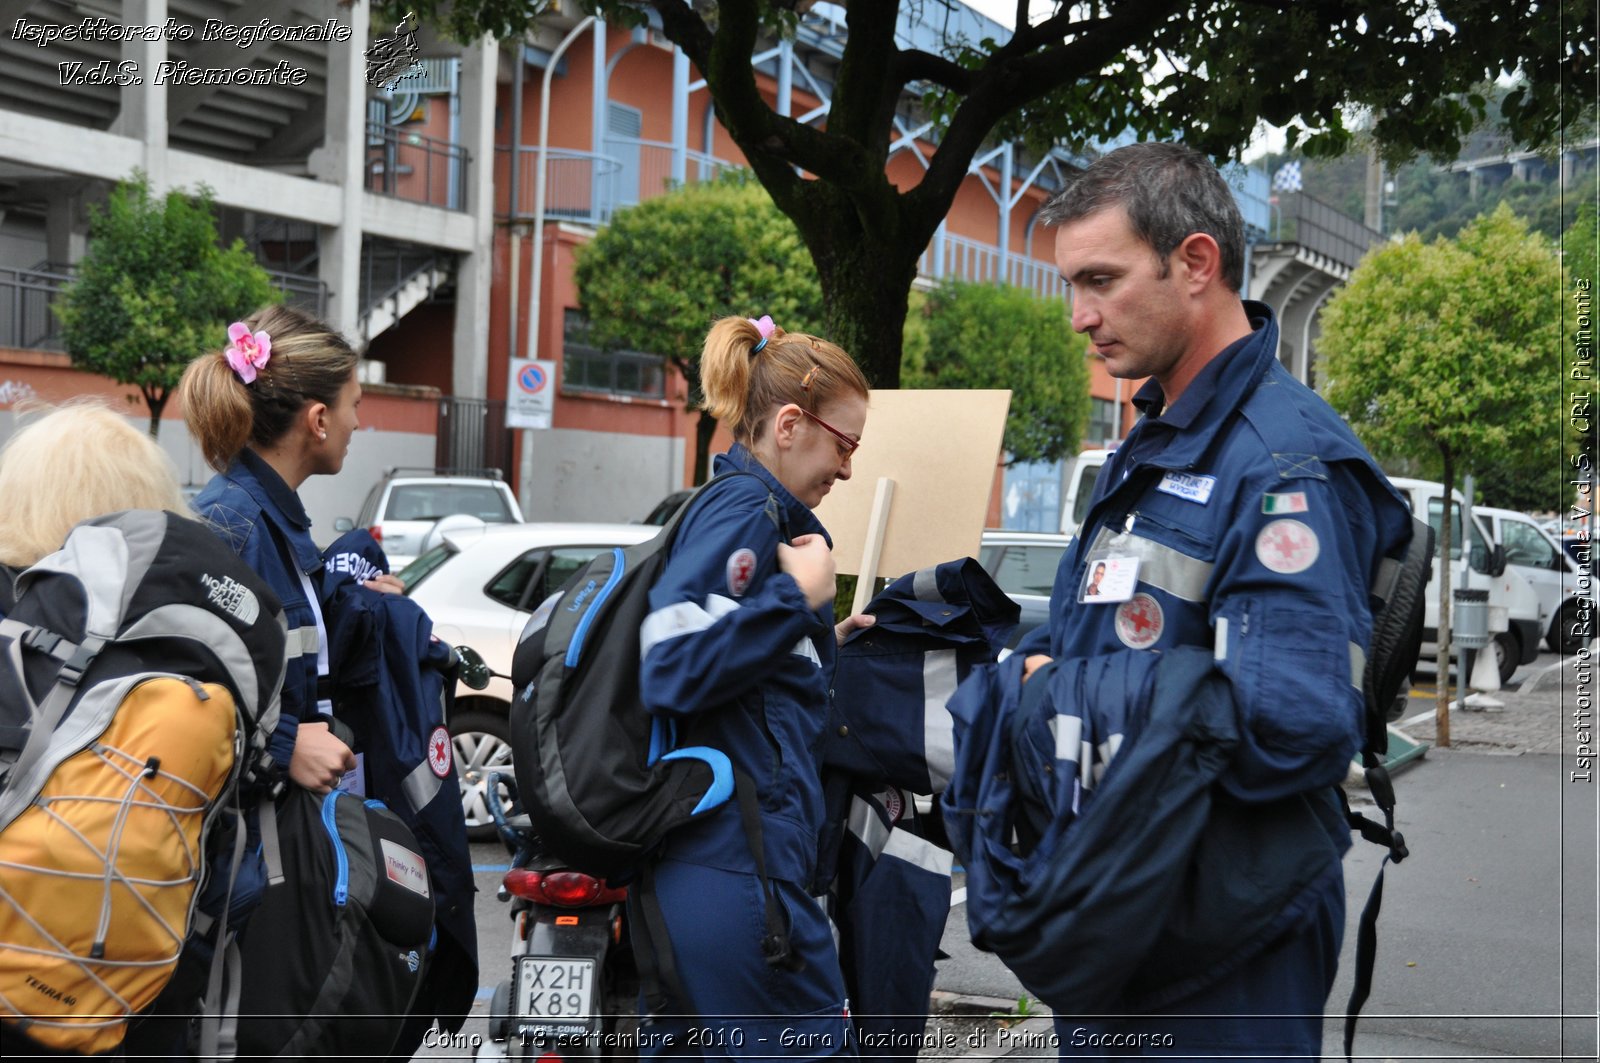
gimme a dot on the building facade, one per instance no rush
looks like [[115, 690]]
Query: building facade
[[411, 213]]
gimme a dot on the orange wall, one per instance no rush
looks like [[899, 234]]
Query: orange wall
[[51, 378], [642, 79]]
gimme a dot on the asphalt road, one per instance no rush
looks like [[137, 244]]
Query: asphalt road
[[1487, 940]]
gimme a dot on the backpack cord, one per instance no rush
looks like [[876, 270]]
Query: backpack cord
[[1367, 931]]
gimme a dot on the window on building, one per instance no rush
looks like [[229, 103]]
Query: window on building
[[1102, 420], [588, 368]]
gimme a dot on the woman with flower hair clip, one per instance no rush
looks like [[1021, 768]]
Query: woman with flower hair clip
[[274, 407], [736, 653]]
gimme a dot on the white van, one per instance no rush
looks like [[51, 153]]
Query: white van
[[1080, 487], [1482, 567], [1560, 584]]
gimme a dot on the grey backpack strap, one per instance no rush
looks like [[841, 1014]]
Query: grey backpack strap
[[219, 1023], [271, 854]]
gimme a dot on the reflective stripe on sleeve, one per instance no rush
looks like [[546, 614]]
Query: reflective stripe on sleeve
[[918, 852], [301, 641], [421, 786], [938, 729], [682, 618]]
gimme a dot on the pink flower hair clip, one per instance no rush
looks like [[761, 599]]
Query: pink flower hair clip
[[764, 326], [247, 353]]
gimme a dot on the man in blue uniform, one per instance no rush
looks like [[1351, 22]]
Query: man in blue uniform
[[1240, 515]]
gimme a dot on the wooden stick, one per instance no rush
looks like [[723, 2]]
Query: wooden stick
[[872, 549]]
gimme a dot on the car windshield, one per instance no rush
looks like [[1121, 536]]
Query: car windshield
[[425, 565], [667, 507], [432, 501], [1023, 568]]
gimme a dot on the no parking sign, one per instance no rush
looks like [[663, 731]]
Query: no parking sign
[[531, 394]]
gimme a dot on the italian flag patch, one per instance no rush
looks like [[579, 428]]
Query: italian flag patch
[[1291, 502]]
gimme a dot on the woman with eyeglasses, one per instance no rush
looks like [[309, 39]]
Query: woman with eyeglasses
[[738, 651]]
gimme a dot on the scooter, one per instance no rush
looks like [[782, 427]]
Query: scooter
[[573, 988]]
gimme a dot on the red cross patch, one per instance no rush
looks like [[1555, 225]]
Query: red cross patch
[[1287, 546], [439, 752], [741, 570], [1140, 622]]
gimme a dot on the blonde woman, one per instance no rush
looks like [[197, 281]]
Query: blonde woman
[[737, 651], [68, 464]]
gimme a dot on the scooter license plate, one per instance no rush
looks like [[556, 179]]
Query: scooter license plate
[[555, 992]]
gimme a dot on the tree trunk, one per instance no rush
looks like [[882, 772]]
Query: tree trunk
[[866, 288], [704, 429], [1442, 706], [157, 401]]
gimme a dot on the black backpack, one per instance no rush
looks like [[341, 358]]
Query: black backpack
[[333, 958], [1392, 654], [599, 775]]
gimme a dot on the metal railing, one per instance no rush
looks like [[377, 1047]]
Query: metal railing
[[1318, 227], [575, 183], [299, 290], [972, 260], [416, 168], [26, 297], [589, 187], [472, 433], [386, 268]]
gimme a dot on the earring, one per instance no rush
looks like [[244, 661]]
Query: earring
[[322, 435]]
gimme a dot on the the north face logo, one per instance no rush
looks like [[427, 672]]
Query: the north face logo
[[233, 597]]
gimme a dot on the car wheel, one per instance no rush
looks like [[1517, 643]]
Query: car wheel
[[482, 746], [1568, 631], [1507, 655]]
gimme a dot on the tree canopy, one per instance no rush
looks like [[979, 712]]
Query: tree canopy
[[657, 277], [1450, 351], [1204, 71], [1000, 336], [154, 290]]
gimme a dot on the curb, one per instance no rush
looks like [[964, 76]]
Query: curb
[[1033, 1037], [1532, 683]]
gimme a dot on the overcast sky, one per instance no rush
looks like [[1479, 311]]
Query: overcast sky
[[1267, 139]]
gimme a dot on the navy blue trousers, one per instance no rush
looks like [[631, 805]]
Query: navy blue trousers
[[1270, 1009], [743, 1008]]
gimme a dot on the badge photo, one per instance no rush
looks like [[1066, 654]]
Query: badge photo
[[1109, 580]]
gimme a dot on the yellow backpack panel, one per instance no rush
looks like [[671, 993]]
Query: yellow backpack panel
[[98, 876]]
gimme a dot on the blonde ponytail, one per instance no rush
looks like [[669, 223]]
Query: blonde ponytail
[[309, 362], [746, 379]]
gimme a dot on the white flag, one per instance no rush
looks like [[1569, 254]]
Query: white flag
[[1287, 179]]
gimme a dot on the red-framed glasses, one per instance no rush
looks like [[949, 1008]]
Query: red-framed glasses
[[844, 441]]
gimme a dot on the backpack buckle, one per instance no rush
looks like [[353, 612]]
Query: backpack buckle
[[77, 664], [43, 640]]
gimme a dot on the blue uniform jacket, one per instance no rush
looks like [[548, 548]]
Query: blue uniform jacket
[[733, 654], [257, 514], [1258, 523], [1104, 866], [390, 689], [888, 886]]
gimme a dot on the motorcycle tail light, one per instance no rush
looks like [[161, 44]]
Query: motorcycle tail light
[[376, 531], [561, 889]]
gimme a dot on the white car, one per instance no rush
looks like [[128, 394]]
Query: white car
[[1554, 576], [1024, 565], [479, 586], [405, 509]]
